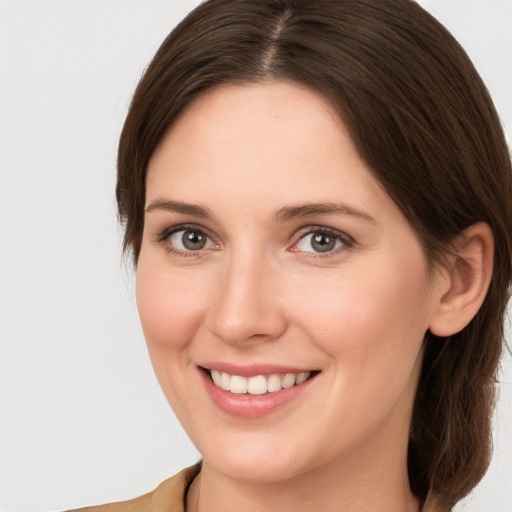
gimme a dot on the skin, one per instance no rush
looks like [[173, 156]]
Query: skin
[[259, 293]]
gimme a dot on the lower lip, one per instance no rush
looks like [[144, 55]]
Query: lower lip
[[252, 406]]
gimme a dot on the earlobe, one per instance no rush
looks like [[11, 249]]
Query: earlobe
[[467, 280]]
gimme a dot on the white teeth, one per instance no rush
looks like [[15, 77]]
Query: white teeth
[[216, 377], [225, 380], [302, 377], [288, 381], [238, 384], [274, 383], [259, 384]]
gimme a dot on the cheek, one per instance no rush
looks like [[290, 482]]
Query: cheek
[[170, 306], [372, 328], [372, 321], [171, 309]]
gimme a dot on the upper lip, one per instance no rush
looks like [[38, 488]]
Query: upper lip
[[252, 370]]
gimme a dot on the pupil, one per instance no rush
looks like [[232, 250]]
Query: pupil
[[193, 240], [323, 243]]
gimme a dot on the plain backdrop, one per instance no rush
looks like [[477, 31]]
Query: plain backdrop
[[82, 419]]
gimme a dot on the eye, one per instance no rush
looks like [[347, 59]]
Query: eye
[[321, 241], [189, 239]]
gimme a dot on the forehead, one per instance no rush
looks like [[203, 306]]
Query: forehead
[[263, 116], [269, 142]]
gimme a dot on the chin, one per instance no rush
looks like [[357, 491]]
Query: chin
[[256, 472], [259, 461]]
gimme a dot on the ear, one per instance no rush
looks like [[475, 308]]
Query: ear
[[466, 279]]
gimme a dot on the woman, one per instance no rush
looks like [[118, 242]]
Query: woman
[[318, 199]]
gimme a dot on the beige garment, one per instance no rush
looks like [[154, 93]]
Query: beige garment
[[169, 496]]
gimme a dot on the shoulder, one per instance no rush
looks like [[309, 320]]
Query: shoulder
[[168, 496]]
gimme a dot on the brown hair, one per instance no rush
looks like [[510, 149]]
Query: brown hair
[[422, 120]]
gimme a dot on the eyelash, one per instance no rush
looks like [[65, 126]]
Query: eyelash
[[164, 236], [346, 240]]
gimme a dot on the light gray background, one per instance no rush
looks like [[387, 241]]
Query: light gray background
[[82, 419]]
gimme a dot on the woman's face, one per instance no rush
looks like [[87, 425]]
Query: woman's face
[[271, 255]]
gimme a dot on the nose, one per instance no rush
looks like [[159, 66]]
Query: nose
[[247, 306]]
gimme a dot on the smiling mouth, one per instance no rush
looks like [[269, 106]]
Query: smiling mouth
[[258, 384]]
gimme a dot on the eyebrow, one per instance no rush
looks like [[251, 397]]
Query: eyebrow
[[311, 209], [283, 214], [179, 207]]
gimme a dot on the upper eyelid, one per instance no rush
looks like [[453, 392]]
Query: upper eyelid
[[348, 243], [166, 232], [163, 237], [306, 230]]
